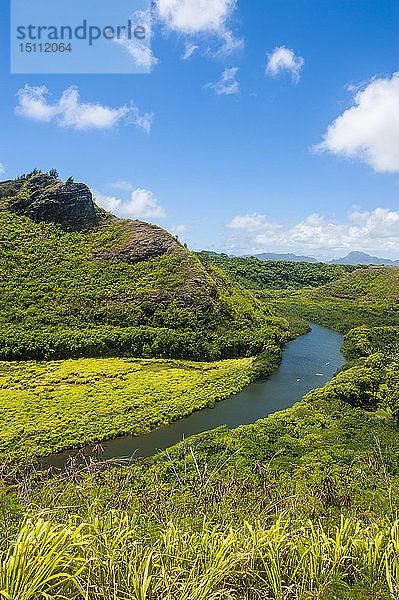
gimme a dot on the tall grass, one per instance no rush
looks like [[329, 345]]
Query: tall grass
[[107, 558]]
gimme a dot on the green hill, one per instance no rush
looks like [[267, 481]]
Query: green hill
[[259, 274], [372, 284], [77, 281], [367, 296], [112, 306]]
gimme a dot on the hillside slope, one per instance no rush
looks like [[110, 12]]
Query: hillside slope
[[257, 273], [368, 296], [368, 285], [77, 281]]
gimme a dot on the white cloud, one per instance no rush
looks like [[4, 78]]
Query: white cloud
[[230, 44], [141, 54], [140, 121], [369, 130], [70, 112], [141, 205], [144, 204], [227, 84], [195, 16], [374, 231], [250, 223], [140, 50], [33, 104], [199, 17], [189, 50], [2, 168], [284, 59], [110, 203]]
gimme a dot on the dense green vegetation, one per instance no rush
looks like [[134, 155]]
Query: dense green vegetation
[[47, 343], [344, 296], [327, 431], [105, 557], [48, 406], [368, 296], [63, 294], [302, 505], [257, 274], [103, 295], [363, 341]]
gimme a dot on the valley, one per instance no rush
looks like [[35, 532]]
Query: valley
[[113, 333]]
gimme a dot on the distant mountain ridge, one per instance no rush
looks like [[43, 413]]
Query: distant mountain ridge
[[288, 256], [353, 258], [361, 258], [267, 256]]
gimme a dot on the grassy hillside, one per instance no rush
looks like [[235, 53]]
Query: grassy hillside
[[300, 505], [368, 296], [257, 274], [363, 341], [338, 296], [118, 287], [371, 284]]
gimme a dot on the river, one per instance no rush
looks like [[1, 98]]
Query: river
[[308, 362]]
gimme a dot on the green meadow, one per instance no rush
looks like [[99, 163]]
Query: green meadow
[[49, 406]]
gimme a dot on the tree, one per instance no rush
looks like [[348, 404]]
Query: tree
[[53, 173]]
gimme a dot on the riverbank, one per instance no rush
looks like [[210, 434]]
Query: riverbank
[[298, 492], [49, 406], [59, 406], [303, 367]]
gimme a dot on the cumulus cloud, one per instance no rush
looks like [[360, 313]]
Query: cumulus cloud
[[70, 112], [368, 231], [193, 16], [369, 130], [110, 203], [250, 223], [227, 84], [142, 204], [284, 59], [2, 168], [198, 17]]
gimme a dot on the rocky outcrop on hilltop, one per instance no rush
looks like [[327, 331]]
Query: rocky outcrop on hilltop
[[44, 198]]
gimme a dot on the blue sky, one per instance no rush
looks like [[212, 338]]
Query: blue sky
[[230, 162]]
